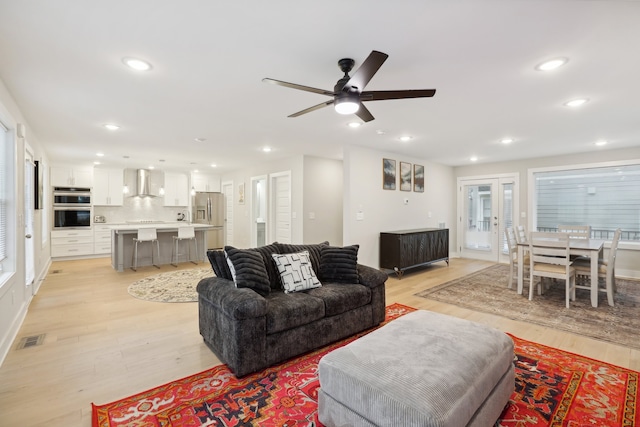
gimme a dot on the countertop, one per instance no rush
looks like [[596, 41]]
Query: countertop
[[160, 226]]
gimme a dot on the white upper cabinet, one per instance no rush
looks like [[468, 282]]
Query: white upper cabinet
[[176, 189], [107, 187], [67, 176], [203, 182]]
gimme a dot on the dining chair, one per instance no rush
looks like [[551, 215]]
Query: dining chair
[[512, 246], [145, 235], [606, 269], [521, 234], [576, 231], [549, 257]]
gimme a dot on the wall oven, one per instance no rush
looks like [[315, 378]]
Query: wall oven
[[71, 207]]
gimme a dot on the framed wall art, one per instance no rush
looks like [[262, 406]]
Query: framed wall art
[[241, 193], [388, 174], [405, 176], [418, 178]]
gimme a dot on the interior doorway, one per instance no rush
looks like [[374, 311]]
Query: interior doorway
[[259, 215], [227, 190], [486, 206]]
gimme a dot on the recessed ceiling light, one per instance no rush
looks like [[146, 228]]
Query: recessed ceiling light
[[551, 64], [474, 159], [200, 139], [506, 140], [267, 149], [100, 154], [601, 143], [136, 64], [380, 132], [576, 102], [152, 167], [111, 126], [406, 138], [354, 124], [213, 165], [96, 163]]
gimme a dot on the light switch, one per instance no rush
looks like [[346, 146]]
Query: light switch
[[294, 215], [312, 215], [359, 216]]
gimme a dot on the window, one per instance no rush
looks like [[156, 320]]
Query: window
[[4, 192], [605, 198]]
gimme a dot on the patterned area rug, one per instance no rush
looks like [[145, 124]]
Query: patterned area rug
[[552, 388], [173, 286], [486, 291]]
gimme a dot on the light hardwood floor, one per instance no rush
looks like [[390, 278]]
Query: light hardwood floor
[[102, 344]]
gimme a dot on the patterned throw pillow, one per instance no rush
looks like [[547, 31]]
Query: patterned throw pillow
[[247, 269], [296, 272]]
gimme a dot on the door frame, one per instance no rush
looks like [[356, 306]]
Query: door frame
[[498, 180], [228, 209], [252, 207], [29, 214]]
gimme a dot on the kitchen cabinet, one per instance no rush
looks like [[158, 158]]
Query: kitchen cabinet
[[101, 239], [400, 250], [204, 182], [65, 243], [67, 176], [176, 189], [107, 187]]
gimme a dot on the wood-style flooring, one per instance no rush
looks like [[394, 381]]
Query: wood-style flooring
[[102, 344]]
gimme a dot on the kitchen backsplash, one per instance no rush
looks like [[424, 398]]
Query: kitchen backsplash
[[139, 208]]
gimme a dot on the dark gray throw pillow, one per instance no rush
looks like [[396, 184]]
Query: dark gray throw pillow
[[339, 265], [248, 269], [218, 262]]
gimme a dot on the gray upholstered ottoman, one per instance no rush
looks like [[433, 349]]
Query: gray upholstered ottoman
[[423, 369]]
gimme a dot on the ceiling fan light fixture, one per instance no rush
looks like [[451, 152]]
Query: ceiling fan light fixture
[[346, 106], [551, 64]]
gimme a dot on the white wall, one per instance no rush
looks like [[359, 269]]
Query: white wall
[[14, 295], [323, 190], [384, 210]]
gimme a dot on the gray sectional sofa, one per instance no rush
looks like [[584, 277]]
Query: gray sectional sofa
[[250, 322]]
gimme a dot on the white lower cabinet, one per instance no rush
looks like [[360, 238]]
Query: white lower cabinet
[[102, 239], [71, 243]]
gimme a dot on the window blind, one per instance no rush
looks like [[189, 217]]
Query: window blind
[[605, 198], [4, 203]]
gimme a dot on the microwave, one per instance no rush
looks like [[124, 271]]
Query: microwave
[[71, 196], [71, 217]]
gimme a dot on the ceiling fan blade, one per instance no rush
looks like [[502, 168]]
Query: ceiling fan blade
[[379, 95], [310, 109], [367, 70], [364, 114], [297, 86]]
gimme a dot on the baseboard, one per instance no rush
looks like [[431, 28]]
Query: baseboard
[[12, 333]]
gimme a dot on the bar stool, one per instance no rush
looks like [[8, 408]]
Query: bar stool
[[184, 233], [145, 235]]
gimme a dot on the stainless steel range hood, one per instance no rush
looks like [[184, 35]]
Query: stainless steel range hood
[[143, 185]]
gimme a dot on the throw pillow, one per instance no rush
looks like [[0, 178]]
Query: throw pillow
[[296, 272], [219, 263], [247, 269], [339, 265]]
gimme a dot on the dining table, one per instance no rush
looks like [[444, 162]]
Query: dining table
[[592, 248]]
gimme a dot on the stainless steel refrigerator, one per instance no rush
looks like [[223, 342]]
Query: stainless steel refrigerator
[[208, 208]]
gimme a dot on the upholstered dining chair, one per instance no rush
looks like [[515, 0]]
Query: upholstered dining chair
[[576, 231], [549, 257], [606, 269], [512, 246]]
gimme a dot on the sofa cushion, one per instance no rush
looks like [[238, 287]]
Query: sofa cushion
[[296, 273], [339, 265], [272, 272], [339, 298], [248, 269], [314, 251], [218, 262], [288, 311]]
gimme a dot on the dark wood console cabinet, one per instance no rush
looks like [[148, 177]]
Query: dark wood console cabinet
[[401, 250]]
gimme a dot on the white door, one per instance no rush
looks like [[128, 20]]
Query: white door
[[29, 193], [281, 205], [227, 190], [486, 206]]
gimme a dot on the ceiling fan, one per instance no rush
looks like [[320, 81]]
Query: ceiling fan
[[349, 94]]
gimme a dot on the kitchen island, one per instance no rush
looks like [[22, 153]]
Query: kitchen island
[[122, 236]]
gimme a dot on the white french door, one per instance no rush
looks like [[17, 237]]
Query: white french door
[[486, 206], [29, 251]]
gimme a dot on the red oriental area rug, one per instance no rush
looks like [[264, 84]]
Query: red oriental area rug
[[552, 388]]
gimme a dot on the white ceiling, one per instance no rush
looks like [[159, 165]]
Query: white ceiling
[[62, 62]]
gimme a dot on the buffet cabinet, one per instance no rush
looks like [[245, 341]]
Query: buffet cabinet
[[401, 250]]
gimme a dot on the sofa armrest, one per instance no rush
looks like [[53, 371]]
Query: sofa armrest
[[235, 303], [371, 277]]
